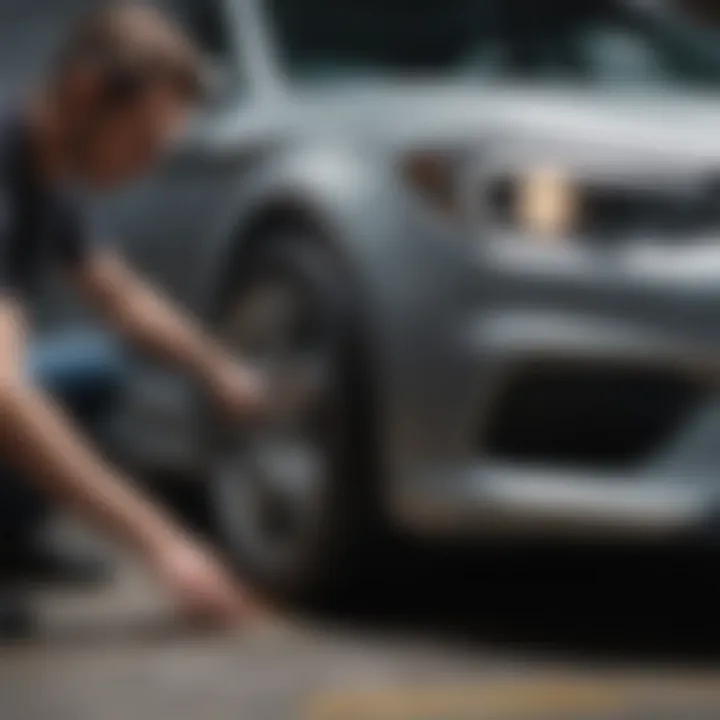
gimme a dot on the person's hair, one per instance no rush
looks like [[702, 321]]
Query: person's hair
[[133, 46]]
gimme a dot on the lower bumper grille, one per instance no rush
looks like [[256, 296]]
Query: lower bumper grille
[[569, 415]]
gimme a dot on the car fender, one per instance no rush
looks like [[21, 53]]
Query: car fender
[[385, 236], [353, 201], [395, 248]]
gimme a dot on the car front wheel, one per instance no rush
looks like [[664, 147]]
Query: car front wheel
[[292, 499]]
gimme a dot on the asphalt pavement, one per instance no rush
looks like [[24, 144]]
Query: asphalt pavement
[[618, 635]]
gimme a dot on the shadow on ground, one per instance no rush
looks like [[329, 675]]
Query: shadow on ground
[[615, 606], [610, 605]]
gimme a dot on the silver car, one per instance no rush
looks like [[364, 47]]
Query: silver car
[[482, 235]]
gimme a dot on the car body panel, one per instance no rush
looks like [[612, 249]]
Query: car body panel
[[455, 307]]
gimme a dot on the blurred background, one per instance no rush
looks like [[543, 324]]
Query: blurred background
[[488, 233]]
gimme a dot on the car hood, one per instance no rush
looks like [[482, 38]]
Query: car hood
[[681, 125]]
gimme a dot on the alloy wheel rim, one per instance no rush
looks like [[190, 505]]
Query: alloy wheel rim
[[270, 482]]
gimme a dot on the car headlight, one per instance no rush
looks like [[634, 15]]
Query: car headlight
[[542, 201], [545, 202], [553, 205]]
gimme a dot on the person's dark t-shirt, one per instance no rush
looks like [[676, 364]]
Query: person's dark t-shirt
[[40, 223]]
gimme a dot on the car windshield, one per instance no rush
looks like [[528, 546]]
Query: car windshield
[[578, 41]]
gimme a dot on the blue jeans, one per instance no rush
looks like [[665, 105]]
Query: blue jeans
[[83, 372]]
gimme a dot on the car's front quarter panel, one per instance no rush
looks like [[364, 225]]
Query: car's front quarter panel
[[412, 275]]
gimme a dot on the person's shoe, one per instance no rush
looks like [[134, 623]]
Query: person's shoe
[[49, 564], [17, 621]]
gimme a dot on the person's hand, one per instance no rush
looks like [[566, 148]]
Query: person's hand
[[248, 395], [240, 391], [202, 588]]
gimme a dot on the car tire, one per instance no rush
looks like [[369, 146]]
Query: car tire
[[293, 502]]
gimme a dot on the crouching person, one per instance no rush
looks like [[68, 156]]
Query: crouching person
[[122, 87]]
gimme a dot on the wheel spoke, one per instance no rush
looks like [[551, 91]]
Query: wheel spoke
[[273, 478]]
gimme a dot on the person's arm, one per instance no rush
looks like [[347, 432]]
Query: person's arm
[[37, 438], [150, 321]]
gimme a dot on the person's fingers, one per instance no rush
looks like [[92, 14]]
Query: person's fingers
[[227, 601], [218, 610], [204, 589], [233, 603]]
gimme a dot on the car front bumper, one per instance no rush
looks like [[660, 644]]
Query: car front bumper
[[463, 340]]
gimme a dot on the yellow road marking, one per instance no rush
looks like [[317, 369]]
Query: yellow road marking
[[523, 698]]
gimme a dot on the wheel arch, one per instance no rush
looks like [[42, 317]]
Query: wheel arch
[[355, 207], [347, 200], [276, 215]]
